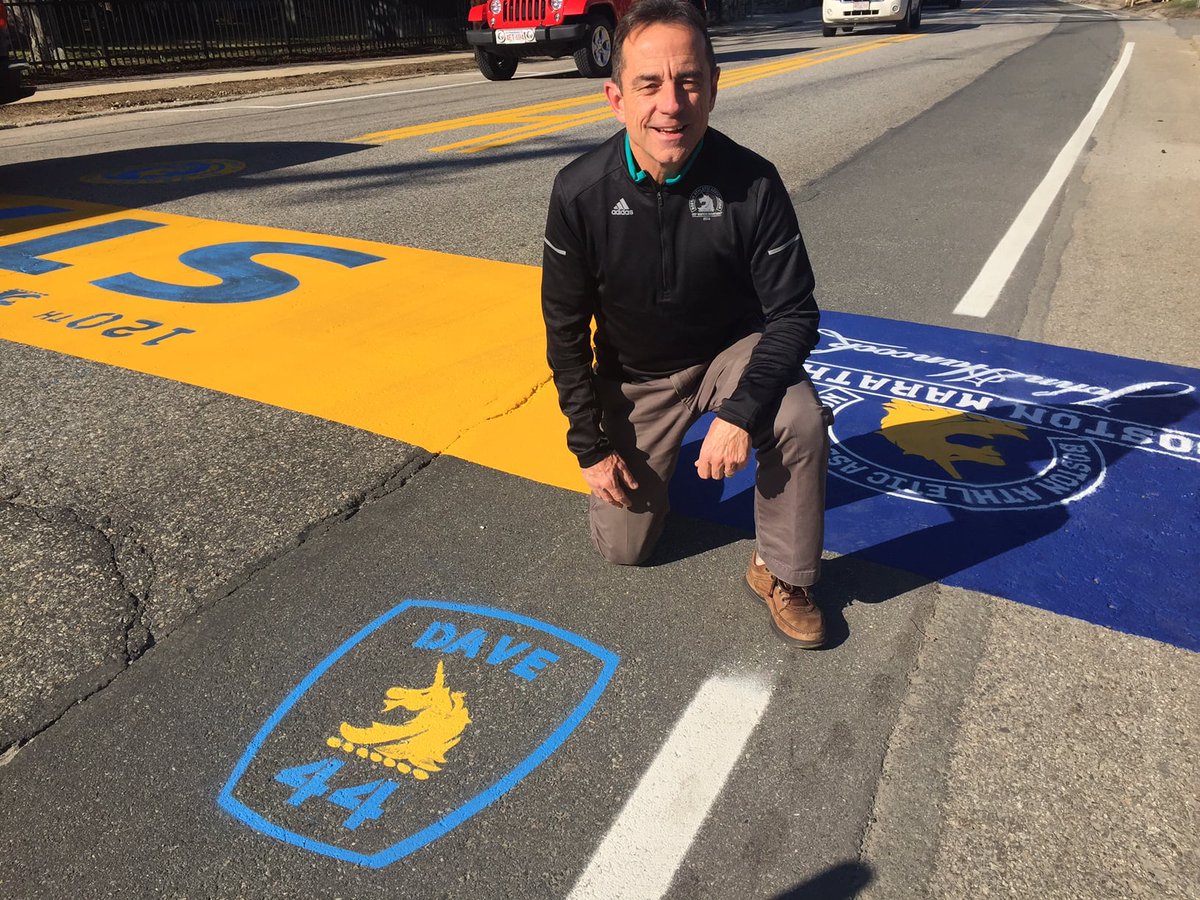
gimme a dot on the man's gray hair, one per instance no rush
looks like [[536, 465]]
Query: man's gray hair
[[659, 12]]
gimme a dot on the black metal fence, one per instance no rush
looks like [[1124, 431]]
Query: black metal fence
[[70, 38]]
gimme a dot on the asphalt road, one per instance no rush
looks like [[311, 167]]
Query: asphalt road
[[187, 566]]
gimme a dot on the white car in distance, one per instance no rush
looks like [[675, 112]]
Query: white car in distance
[[848, 14]]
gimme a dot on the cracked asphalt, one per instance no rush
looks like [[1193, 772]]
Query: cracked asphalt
[[115, 533]]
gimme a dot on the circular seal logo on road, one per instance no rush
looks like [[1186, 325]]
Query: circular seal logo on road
[[706, 202], [169, 172], [933, 454]]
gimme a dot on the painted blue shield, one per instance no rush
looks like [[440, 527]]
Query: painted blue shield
[[416, 723]]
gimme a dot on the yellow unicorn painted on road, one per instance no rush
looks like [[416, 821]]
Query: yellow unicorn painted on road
[[927, 431], [419, 744]]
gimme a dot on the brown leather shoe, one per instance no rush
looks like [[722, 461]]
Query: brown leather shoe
[[793, 613]]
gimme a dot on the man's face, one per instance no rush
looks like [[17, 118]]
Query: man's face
[[666, 92]]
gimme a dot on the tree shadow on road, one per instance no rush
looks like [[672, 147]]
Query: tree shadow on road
[[102, 183]]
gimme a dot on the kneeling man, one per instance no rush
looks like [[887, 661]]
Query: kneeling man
[[684, 249]]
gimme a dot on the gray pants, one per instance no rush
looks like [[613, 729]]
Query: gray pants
[[646, 423]]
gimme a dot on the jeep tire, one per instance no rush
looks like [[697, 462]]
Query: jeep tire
[[594, 58], [493, 67]]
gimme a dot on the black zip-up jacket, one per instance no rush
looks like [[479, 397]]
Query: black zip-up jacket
[[672, 274]]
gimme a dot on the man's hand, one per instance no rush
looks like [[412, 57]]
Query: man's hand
[[725, 451], [611, 480]]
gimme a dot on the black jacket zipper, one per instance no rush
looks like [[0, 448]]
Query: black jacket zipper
[[663, 245]]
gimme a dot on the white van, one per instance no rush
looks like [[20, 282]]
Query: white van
[[846, 14]]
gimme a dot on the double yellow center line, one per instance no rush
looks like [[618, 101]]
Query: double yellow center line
[[531, 121], [546, 118]]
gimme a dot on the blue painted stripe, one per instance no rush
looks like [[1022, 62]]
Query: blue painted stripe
[[25, 212]]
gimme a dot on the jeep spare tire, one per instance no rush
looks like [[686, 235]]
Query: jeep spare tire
[[594, 58]]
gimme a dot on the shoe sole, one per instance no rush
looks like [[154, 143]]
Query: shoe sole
[[795, 642]]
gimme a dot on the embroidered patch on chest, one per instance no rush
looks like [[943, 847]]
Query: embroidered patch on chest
[[706, 202]]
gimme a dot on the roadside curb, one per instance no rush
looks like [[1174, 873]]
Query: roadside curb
[[97, 100], [110, 86]]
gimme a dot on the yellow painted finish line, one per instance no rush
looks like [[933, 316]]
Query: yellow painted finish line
[[540, 119], [444, 352]]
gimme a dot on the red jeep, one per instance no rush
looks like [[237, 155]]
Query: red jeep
[[504, 31]]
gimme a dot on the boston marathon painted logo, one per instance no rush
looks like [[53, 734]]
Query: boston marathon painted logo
[[416, 723], [1060, 478], [962, 433], [173, 172]]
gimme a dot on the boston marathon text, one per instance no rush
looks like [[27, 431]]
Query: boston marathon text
[[1076, 420]]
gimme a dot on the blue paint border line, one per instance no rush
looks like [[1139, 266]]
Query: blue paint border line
[[29, 211], [247, 816]]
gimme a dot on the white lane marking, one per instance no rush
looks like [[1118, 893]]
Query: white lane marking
[[639, 855], [982, 295], [423, 90], [1083, 10]]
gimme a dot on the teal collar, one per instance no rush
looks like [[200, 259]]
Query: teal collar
[[639, 175]]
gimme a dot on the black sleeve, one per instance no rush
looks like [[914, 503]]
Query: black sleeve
[[784, 282], [569, 294]]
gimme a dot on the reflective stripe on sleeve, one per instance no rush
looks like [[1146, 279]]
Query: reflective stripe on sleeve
[[780, 248]]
